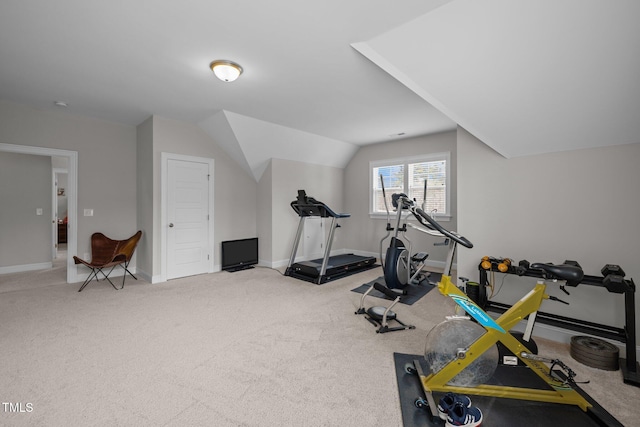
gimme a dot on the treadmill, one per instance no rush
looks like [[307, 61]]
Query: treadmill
[[328, 268]]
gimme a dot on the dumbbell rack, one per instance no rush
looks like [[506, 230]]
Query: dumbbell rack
[[627, 335]]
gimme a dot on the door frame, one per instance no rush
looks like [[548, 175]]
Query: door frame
[[72, 195], [164, 208]]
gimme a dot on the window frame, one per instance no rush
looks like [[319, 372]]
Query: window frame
[[405, 161]]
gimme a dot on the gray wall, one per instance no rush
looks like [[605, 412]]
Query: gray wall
[[579, 205], [106, 164], [364, 233], [324, 183], [110, 174], [25, 185], [265, 217], [144, 188]]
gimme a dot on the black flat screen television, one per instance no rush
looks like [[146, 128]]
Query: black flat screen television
[[239, 254]]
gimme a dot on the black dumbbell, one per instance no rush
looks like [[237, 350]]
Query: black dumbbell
[[574, 263], [612, 269], [615, 283], [522, 267]]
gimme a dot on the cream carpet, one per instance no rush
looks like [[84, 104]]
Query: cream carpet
[[252, 348]]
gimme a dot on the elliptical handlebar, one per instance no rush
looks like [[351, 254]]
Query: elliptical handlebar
[[433, 227], [432, 224]]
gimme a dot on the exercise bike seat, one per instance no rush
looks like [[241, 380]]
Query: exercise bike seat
[[572, 274]]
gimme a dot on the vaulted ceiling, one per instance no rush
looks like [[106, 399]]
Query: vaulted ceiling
[[321, 79]]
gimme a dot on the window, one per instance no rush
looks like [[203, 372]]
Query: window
[[408, 176]]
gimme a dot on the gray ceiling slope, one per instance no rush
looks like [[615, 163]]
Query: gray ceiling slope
[[124, 61], [218, 127], [524, 77], [252, 143]]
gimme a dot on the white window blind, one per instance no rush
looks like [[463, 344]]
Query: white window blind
[[408, 176]]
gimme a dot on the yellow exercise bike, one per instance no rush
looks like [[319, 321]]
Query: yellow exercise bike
[[560, 387]]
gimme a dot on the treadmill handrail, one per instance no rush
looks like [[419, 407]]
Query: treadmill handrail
[[308, 206]]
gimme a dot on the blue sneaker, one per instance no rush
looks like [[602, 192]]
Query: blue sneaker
[[460, 415], [447, 402]]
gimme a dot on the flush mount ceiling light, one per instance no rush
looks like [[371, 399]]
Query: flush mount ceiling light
[[60, 104], [227, 71]]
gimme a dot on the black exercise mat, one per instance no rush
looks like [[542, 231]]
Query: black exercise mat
[[498, 412], [414, 292]]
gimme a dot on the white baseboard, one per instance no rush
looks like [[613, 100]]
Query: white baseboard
[[429, 263], [26, 267], [268, 264], [440, 265], [82, 274], [143, 275], [285, 262], [159, 278]]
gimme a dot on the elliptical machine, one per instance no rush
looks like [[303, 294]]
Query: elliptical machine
[[400, 268]]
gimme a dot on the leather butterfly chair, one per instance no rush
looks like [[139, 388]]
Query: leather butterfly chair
[[105, 253]]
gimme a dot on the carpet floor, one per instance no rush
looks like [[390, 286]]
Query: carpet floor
[[252, 348]]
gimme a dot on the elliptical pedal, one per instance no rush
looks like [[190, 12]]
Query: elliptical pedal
[[418, 262], [420, 257]]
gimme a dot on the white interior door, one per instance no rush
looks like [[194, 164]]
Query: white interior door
[[187, 218]]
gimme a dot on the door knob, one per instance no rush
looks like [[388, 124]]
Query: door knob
[[171, 224]]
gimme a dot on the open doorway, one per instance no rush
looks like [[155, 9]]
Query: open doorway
[[71, 158], [60, 207]]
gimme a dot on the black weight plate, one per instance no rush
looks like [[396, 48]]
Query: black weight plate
[[594, 345], [601, 363], [591, 355], [607, 365], [595, 352]]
